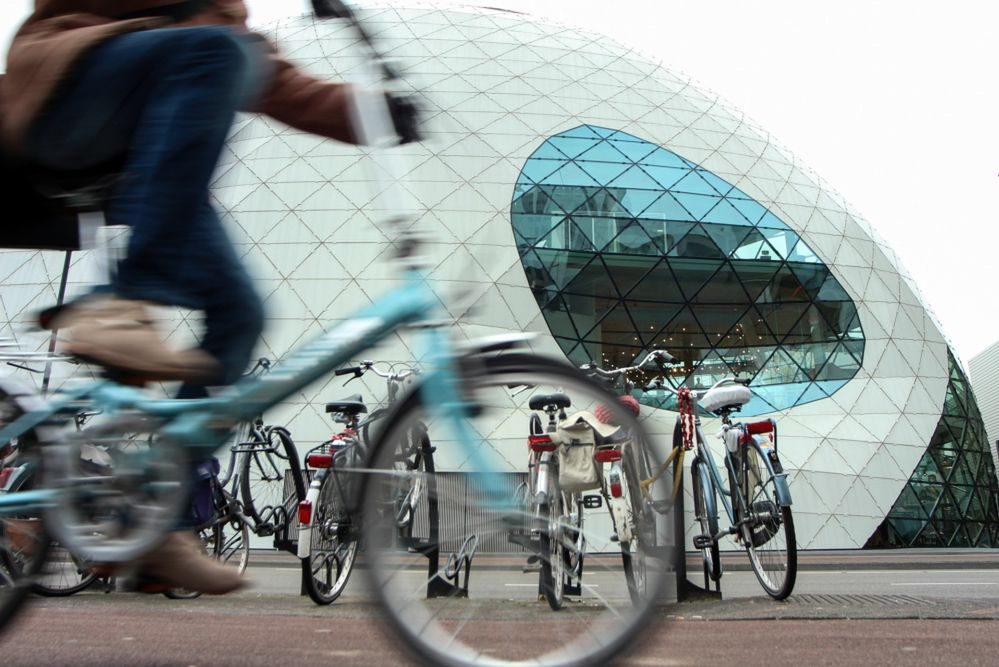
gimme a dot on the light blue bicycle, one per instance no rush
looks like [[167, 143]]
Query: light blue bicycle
[[111, 492]]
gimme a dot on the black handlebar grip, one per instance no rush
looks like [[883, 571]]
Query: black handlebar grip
[[355, 370]]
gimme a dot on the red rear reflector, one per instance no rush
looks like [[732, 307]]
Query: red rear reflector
[[319, 460], [615, 489], [305, 512], [756, 428], [607, 455], [4, 476], [541, 443]]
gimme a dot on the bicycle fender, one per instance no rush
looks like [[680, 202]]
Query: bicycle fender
[[305, 532]]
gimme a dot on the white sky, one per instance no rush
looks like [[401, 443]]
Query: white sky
[[889, 100]]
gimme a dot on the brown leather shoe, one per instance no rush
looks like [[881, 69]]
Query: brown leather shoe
[[120, 335], [180, 562]]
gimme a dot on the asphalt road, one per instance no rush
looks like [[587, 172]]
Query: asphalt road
[[933, 613]]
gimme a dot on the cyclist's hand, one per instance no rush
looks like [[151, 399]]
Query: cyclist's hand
[[405, 117]]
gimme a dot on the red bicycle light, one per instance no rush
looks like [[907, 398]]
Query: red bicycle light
[[615, 489], [541, 443], [319, 460], [305, 512], [758, 428], [607, 455], [5, 476]]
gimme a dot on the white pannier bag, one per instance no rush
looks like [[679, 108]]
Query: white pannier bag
[[577, 470]]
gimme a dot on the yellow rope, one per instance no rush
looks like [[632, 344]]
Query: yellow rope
[[675, 457]]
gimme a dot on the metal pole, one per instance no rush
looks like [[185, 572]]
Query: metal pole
[[59, 299]]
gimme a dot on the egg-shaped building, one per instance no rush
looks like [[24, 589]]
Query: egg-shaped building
[[572, 187]]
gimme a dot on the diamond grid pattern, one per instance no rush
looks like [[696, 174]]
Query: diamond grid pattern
[[629, 246], [495, 86]]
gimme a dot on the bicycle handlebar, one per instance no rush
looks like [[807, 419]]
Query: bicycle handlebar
[[366, 365]]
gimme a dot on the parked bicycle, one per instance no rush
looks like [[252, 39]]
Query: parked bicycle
[[757, 499], [330, 517]]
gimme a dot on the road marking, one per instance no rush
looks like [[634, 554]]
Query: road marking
[[535, 585], [947, 583]]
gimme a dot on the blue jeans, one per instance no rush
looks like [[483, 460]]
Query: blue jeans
[[165, 100]]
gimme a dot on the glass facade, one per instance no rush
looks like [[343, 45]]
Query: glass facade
[[628, 246], [952, 498]]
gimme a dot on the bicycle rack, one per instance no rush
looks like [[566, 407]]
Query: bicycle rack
[[450, 585]]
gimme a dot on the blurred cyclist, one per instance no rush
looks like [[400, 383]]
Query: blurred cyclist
[[150, 88]]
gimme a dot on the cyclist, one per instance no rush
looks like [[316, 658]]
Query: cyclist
[[152, 86]]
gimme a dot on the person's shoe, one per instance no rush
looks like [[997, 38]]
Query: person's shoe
[[180, 562], [120, 335]]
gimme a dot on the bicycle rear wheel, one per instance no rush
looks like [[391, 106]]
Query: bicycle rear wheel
[[769, 533], [334, 541], [706, 515], [267, 465], [550, 514], [642, 520], [500, 621]]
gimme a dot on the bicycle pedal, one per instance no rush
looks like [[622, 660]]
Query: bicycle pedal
[[702, 541], [614, 538], [533, 560]]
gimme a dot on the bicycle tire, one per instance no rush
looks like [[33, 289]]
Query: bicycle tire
[[262, 480], [24, 542], [706, 515], [334, 543], [635, 467], [552, 575], [456, 629], [769, 538]]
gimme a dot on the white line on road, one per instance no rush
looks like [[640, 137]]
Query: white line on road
[[947, 583]]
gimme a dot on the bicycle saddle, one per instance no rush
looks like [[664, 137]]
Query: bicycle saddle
[[352, 405], [729, 396], [542, 401]]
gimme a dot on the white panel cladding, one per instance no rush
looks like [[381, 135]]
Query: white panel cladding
[[494, 86]]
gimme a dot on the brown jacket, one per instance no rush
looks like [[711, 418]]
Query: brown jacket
[[60, 31]]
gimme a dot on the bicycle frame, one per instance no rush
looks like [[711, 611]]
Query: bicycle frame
[[202, 425]]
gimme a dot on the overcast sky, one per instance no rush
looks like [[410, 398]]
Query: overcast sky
[[893, 102]]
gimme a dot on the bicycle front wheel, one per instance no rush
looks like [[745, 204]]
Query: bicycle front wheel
[[496, 618], [271, 483], [768, 533]]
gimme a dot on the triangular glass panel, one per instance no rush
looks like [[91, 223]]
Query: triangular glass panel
[[635, 202], [591, 279], [811, 327], [675, 233], [697, 244], [602, 172], [724, 287], [693, 274], [728, 238], [649, 317], [536, 201], [719, 185], [634, 151], [755, 275], [632, 240], [908, 504], [602, 132], [693, 183], [802, 253], [839, 366], [627, 271], [666, 207], [559, 319], [754, 246], [781, 396], [589, 311], [598, 202], [569, 175], [752, 331], [665, 158], [812, 393], [781, 240], [682, 332], [726, 214], [782, 369], [782, 318], [573, 350], [635, 177], [665, 177], [771, 221], [784, 288], [658, 285], [709, 370], [961, 496], [563, 266], [830, 387], [811, 277], [697, 204], [554, 238], [749, 208]]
